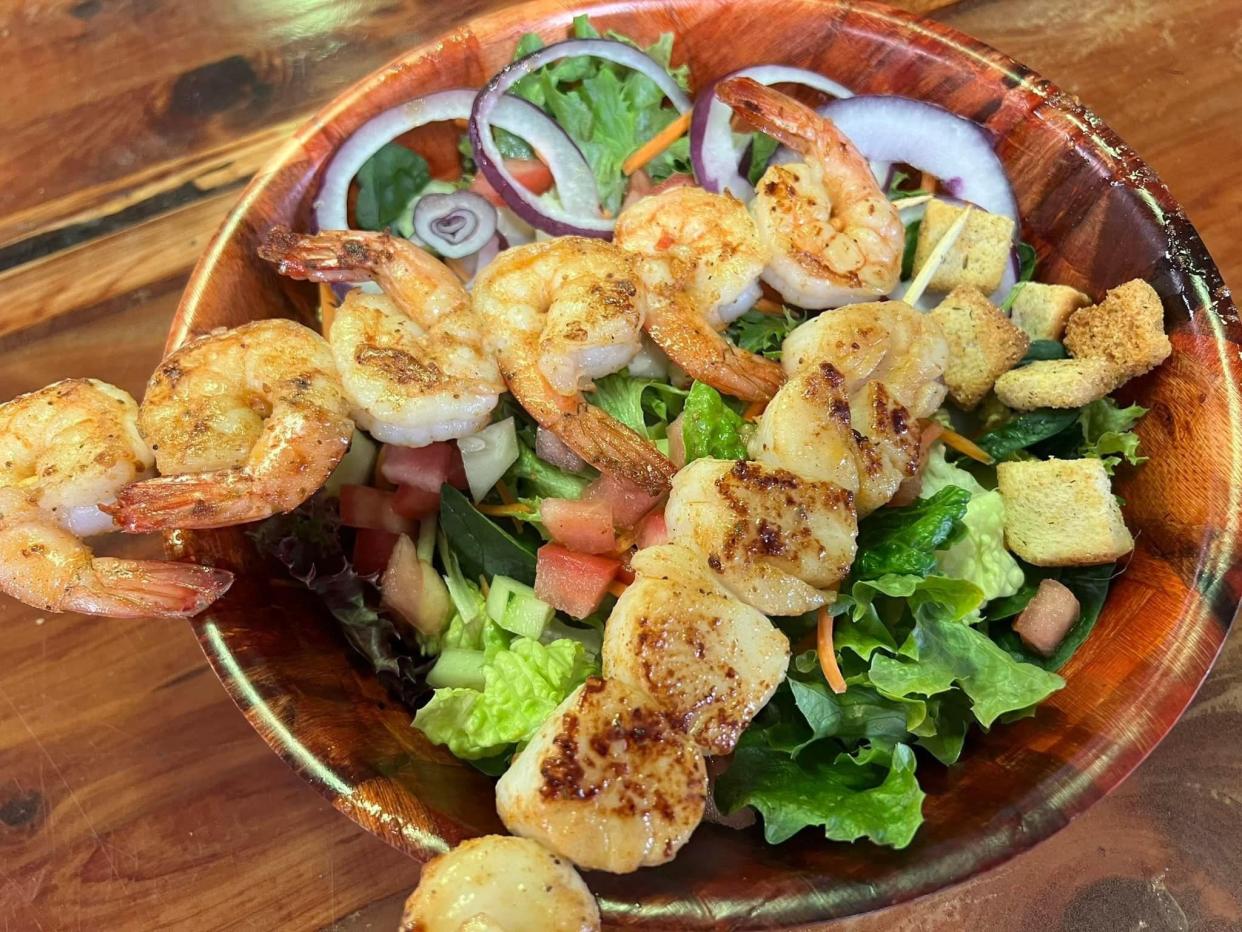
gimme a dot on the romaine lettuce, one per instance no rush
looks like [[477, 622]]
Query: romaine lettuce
[[710, 428]]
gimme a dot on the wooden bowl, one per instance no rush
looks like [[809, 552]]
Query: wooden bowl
[[1097, 215]]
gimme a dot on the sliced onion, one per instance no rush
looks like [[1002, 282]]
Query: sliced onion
[[551, 449], [578, 211], [553, 146], [455, 225], [954, 149], [713, 151]]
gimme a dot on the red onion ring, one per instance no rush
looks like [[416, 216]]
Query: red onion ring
[[578, 213], [569, 169], [713, 152], [454, 225]]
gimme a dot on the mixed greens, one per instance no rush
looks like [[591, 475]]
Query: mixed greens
[[921, 628]]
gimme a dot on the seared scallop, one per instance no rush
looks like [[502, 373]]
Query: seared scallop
[[500, 882], [607, 781], [708, 660], [776, 540]]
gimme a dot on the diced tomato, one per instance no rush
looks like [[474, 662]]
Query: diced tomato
[[628, 501], [625, 572], [425, 468], [652, 531], [365, 507], [585, 526], [373, 549], [410, 501], [574, 583], [531, 174]]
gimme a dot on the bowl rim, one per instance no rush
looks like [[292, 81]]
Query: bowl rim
[[1200, 284]]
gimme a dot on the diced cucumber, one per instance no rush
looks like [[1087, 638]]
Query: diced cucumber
[[515, 607], [356, 466], [456, 667]]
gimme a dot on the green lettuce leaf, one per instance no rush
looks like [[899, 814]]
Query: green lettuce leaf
[[387, 182], [1089, 585], [524, 682], [1044, 349], [899, 541], [710, 428], [1027, 259], [763, 334], [871, 793], [980, 555], [1108, 433], [645, 405], [607, 109], [535, 478]]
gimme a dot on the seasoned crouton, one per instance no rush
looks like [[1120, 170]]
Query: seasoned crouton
[[1127, 327], [977, 258], [1062, 513], [983, 343], [1043, 310], [1057, 383]]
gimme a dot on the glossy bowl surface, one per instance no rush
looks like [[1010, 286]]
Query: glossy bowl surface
[[1097, 216]]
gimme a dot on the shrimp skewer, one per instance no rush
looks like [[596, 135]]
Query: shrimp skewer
[[833, 235], [65, 450], [700, 259], [411, 361], [558, 314], [245, 423]]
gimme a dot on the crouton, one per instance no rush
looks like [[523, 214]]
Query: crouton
[[977, 258], [1062, 513], [1057, 383], [983, 343], [1127, 327], [1043, 310]]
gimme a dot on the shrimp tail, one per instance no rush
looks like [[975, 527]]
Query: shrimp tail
[[332, 256], [613, 448], [789, 121], [707, 356], [141, 588], [206, 500]]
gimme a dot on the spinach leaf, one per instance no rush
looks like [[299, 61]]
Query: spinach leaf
[[1088, 583], [482, 546], [762, 146], [871, 793], [387, 182], [710, 427], [1025, 430], [1026, 271], [1040, 350], [912, 243], [903, 541]]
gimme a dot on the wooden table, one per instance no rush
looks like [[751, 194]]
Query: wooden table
[[132, 794]]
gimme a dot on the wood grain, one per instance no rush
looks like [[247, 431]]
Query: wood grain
[[1162, 852]]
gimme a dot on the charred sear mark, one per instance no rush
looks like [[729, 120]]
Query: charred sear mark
[[769, 540], [399, 366]]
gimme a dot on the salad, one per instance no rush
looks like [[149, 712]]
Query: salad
[[846, 502]]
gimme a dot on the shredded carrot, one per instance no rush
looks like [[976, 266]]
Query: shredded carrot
[[656, 144], [768, 306], [514, 509], [827, 655], [754, 409], [327, 307], [483, 585], [965, 446], [505, 495], [617, 588], [927, 181]]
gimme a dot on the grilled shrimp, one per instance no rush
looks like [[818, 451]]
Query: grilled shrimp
[[607, 781], [64, 451], [884, 340], [700, 257], [834, 236], [500, 882], [558, 314], [244, 423], [867, 444], [412, 362], [775, 539], [709, 661]]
